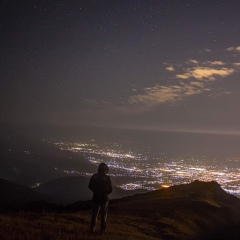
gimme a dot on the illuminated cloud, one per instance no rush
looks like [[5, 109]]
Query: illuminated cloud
[[183, 76], [170, 69], [157, 95], [193, 61], [216, 63], [234, 49], [190, 81], [205, 73], [191, 78]]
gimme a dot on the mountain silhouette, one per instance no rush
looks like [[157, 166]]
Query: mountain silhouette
[[63, 191], [67, 190], [15, 195]]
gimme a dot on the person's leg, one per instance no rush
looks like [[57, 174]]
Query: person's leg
[[104, 210], [95, 211]]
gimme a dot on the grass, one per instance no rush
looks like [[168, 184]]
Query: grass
[[38, 226], [55, 226]]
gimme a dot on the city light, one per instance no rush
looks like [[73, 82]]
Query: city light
[[163, 172]]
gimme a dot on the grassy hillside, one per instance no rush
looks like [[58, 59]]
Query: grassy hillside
[[24, 226], [193, 211]]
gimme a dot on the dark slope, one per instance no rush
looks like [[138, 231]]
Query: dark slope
[[200, 210], [68, 190], [14, 195]]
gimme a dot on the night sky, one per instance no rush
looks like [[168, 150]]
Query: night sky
[[154, 64]]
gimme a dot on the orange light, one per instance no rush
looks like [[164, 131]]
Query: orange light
[[165, 186]]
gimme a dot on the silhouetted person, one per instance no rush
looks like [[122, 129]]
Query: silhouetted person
[[101, 185]]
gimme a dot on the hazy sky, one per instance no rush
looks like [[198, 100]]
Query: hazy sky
[[167, 65]]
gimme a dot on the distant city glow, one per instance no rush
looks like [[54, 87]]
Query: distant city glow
[[160, 173]]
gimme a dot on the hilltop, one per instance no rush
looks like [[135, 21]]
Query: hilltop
[[199, 210]]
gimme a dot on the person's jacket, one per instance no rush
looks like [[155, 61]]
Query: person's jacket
[[101, 185]]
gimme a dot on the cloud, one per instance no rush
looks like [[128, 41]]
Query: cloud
[[188, 82], [170, 69], [217, 63], [183, 76], [157, 95], [234, 49], [193, 61], [205, 73], [191, 78]]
